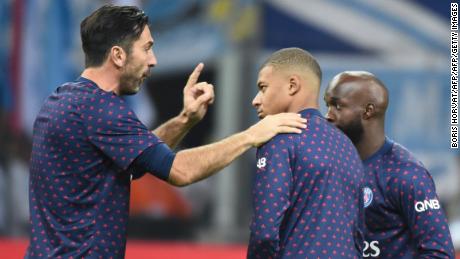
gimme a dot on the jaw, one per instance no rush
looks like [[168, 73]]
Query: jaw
[[353, 131]]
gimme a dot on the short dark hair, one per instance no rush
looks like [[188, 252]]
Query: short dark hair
[[295, 57], [109, 26]]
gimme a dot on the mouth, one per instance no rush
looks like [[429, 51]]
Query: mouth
[[260, 114], [146, 73], [144, 76]]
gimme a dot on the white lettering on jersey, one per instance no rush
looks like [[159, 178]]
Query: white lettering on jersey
[[371, 249], [262, 162], [422, 206]]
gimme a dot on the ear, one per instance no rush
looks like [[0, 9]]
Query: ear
[[369, 111], [118, 56], [294, 84]]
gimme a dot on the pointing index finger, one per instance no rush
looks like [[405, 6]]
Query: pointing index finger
[[193, 78]]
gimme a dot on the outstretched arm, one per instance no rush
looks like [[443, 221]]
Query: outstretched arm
[[192, 165], [197, 97]]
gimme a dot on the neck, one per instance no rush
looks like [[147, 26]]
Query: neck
[[304, 102], [371, 141], [104, 77]]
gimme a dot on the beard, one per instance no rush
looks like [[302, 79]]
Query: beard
[[129, 85], [130, 80], [354, 130]]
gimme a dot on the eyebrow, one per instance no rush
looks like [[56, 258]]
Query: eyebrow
[[149, 44], [332, 99], [335, 99], [260, 84]]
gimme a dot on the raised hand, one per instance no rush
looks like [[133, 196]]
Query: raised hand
[[197, 96], [272, 125]]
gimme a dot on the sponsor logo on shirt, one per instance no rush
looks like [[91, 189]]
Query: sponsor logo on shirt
[[368, 196], [432, 204], [371, 249], [262, 162]]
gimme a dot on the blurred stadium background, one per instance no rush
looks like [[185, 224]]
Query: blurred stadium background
[[405, 43]]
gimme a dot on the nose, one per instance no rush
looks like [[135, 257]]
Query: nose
[[152, 61], [329, 115], [256, 101]]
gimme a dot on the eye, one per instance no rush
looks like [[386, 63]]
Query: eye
[[148, 47], [263, 88], [338, 106]]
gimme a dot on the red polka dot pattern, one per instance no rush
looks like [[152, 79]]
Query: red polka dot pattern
[[306, 195], [84, 140], [404, 219]]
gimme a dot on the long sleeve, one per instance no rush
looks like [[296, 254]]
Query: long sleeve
[[416, 195], [271, 198]]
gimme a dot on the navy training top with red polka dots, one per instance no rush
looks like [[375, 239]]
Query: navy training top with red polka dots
[[84, 139], [403, 214], [307, 195]]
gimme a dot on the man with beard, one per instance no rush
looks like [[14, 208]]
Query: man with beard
[[88, 144], [402, 211], [307, 187]]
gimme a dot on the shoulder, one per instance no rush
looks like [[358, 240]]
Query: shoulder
[[88, 92], [318, 127], [400, 158], [87, 95], [97, 102], [280, 142], [323, 137], [401, 166]]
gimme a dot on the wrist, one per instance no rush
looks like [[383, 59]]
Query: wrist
[[248, 138], [185, 119]]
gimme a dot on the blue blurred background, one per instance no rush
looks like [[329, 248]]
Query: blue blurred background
[[405, 43]]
